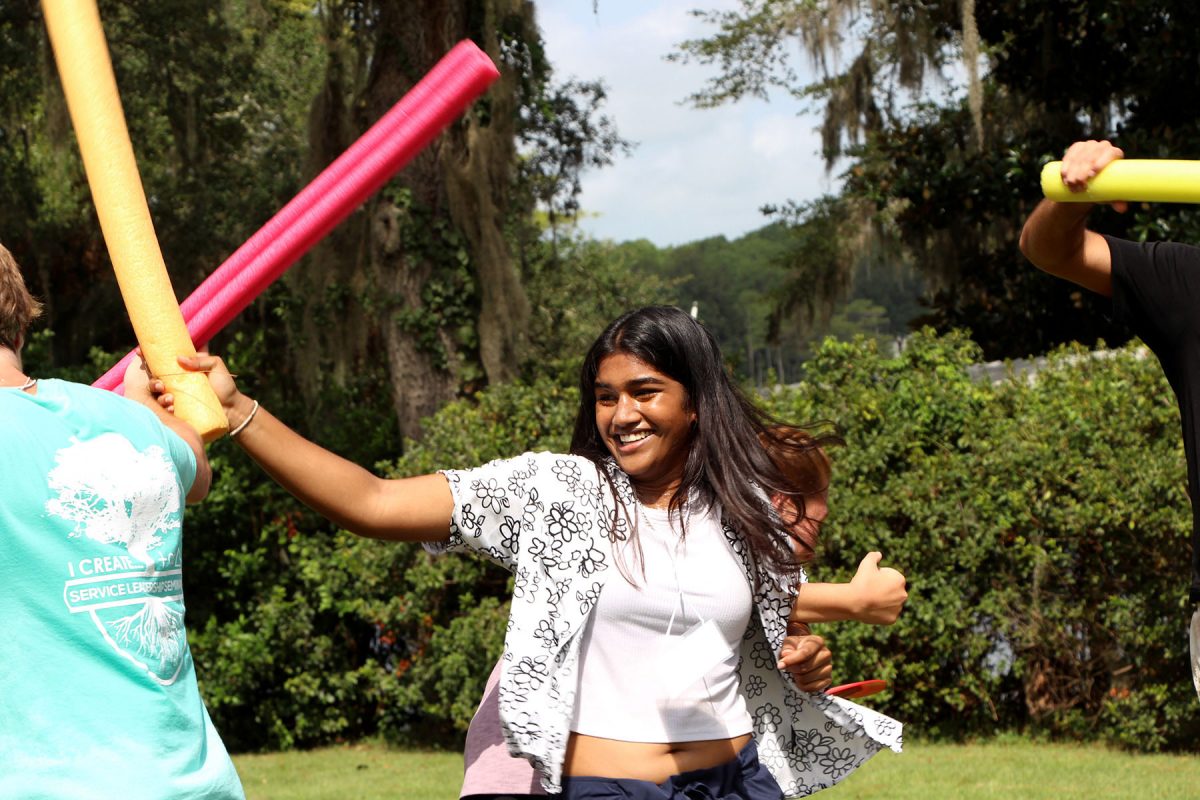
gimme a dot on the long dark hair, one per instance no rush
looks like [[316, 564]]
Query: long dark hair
[[728, 464]]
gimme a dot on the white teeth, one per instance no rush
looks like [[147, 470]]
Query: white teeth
[[630, 438]]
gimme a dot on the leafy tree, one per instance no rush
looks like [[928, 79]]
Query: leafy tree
[[1040, 599], [298, 634], [890, 51], [231, 108], [946, 178], [746, 291], [577, 286], [213, 120], [427, 280], [728, 283], [561, 136]]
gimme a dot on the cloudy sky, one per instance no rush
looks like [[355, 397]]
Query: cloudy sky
[[695, 173]]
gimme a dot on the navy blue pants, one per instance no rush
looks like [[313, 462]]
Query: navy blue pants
[[741, 778]]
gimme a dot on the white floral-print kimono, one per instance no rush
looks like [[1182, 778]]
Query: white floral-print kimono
[[547, 518]]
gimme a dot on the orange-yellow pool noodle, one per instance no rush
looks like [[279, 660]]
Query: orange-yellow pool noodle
[[91, 91], [1146, 180]]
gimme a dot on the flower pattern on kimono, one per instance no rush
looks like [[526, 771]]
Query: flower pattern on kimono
[[533, 507], [813, 745], [546, 551], [837, 762], [510, 533], [800, 788], [588, 599], [546, 634], [620, 530], [780, 605], [567, 471], [587, 561], [521, 588], [519, 481], [585, 493], [771, 755], [524, 724], [571, 475], [491, 495], [499, 556], [528, 674], [754, 686], [794, 700], [562, 523], [470, 522], [558, 593], [768, 717], [549, 500], [801, 761], [762, 655], [888, 727]]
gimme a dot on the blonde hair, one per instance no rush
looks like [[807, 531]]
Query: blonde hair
[[17, 307]]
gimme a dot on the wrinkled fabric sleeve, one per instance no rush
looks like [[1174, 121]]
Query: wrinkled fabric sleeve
[[490, 506]]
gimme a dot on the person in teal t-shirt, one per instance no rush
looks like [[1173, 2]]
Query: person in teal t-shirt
[[99, 696]]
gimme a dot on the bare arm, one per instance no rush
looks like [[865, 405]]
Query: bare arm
[[409, 509], [137, 388], [804, 655], [875, 595], [1055, 237]]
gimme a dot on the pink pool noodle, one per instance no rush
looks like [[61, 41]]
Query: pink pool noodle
[[457, 79]]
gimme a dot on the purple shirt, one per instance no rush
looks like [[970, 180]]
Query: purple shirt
[[488, 768]]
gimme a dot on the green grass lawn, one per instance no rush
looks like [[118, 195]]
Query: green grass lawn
[[924, 772], [364, 771]]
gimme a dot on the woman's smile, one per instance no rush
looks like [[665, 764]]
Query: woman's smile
[[645, 418]]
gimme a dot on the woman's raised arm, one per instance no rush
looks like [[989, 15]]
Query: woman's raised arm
[[875, 595], [408, 509]]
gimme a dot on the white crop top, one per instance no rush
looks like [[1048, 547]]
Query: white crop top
[[659, 659]]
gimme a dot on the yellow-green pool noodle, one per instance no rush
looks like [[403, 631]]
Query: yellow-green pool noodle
[[95, 107], [1146, 180]]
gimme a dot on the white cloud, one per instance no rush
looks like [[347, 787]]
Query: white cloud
[[695, 173]]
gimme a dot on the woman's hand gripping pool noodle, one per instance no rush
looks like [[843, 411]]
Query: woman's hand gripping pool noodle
[[91, 91]]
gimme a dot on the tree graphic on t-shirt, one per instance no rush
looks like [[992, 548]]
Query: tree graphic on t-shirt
[[156, 630], [115, 494]]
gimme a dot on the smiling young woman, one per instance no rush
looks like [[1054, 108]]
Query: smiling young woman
[[646, 421], [652, 576]]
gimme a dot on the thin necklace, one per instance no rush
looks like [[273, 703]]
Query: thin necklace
[[684, 517], [29, 382]]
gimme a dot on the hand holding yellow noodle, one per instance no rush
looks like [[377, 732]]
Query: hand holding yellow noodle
[[1136, 180], [95, 107]]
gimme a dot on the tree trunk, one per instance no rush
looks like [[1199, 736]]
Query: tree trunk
[[455, 193], [479, 165]]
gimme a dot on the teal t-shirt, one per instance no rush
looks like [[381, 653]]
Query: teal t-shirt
[[98, 695]]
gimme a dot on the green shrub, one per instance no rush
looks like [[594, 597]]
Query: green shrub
[[1042, 525]]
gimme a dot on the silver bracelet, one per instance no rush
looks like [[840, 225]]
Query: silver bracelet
[[245, 422]]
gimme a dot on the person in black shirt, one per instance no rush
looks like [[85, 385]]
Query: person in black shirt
[[1155, 289]]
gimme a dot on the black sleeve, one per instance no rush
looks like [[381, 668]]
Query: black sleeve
[[1155, 286]]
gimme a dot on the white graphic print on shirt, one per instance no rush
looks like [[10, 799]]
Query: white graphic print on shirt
[[117, 495]]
